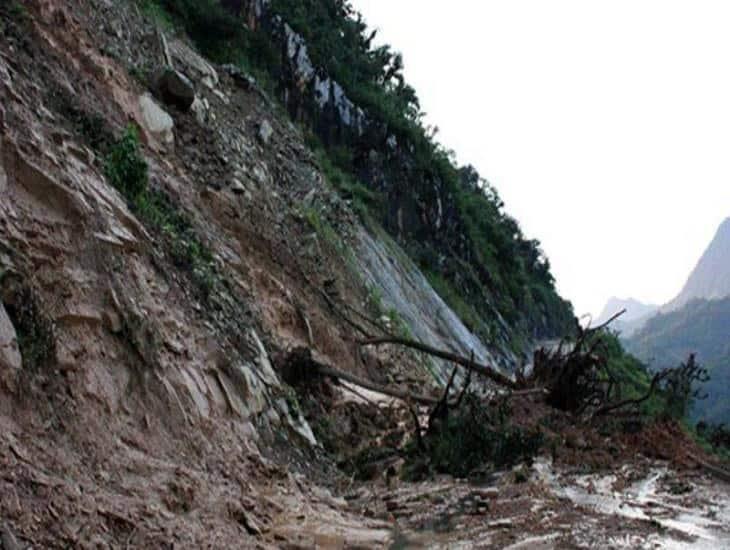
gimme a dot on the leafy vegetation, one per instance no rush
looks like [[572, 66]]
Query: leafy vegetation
[[472, 438], [631, 375], [676, 393], [125, 166]]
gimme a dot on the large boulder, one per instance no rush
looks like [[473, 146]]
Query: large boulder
[[174, 88], [156, 120], [196, 66]]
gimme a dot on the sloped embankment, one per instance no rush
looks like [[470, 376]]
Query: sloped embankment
[[138, 396]]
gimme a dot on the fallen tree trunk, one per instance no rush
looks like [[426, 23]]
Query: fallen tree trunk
[[484, 370], [378, 388], [298, 366]]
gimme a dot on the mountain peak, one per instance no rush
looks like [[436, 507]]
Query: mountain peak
[[710, 278], [724, 227]]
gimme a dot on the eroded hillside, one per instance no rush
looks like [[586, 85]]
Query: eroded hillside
[[162, 253]]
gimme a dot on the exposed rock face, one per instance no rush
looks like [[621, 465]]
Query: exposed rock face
[[149, 377], [404, 288], [160, 420], [265, 132], [197, 65]]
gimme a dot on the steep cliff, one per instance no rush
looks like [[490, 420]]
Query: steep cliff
[[149, 282], [319, 60]]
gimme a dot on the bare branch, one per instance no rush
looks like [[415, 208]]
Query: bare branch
[[658, 377], [604, 325], [485, 370]]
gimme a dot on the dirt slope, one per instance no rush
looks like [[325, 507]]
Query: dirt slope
[[141, 424]]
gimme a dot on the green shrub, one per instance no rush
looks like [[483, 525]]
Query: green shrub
[[474, 438], [125, 167]]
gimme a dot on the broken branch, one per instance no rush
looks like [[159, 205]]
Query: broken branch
[[658, 377]]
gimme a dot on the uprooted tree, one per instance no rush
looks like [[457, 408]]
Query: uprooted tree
[[466, 430]]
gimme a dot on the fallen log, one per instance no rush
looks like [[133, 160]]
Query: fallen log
[[484, 370], [298, 367], [378, 388]]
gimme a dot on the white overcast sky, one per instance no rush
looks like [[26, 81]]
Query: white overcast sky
[[605, 126]]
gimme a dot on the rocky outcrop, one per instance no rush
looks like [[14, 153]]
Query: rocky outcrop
[[392, 275], [265, 132], [157, 400]]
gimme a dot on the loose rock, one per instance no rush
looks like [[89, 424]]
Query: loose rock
[[174, 88], [265, 132], [156, 120]]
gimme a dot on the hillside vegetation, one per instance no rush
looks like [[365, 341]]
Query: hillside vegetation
[[449, 219], [702, 327]]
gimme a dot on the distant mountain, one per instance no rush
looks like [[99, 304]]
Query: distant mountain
[[701, 327], [697, 321], [710, 279], [636, 314]]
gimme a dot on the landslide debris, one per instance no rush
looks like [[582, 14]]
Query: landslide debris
[[155, 259]]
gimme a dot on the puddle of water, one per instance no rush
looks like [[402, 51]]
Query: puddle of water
[[645, 501]]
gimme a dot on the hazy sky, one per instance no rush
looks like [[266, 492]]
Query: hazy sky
[[605, 126]]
